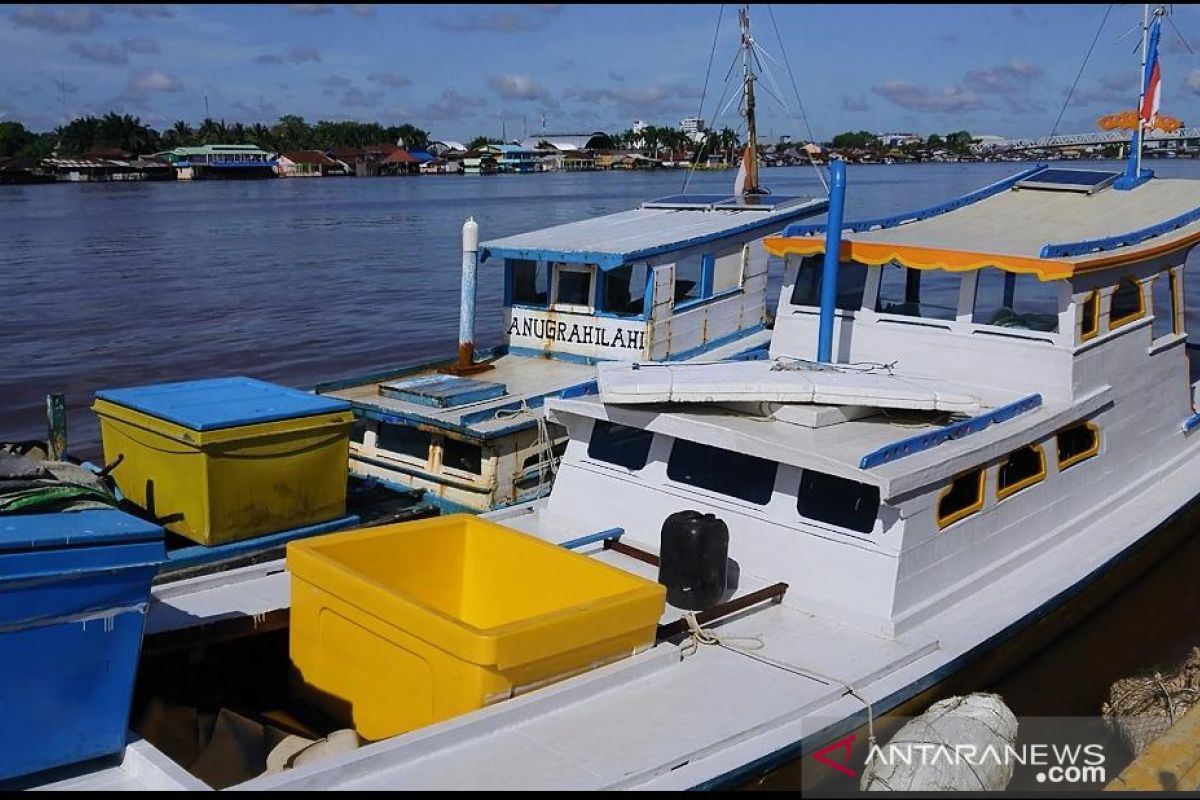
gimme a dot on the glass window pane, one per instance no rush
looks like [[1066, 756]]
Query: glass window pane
[[460, 455], [619, 444], [403, 440], [625, 290], [724, 471], [531, 283], [1023, 468], [852, 280], [1126, 303], [687, 278], [1163, 306], [1008, 300], [929, 294], [964, 496], [574, 287], [838, 501], [1089, 316], [1077, 443]]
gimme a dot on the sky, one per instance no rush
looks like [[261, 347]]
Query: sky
[[459, 71]]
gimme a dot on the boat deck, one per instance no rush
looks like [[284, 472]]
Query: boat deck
[[526, 380]]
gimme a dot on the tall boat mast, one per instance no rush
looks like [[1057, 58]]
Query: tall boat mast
[[751, 153]]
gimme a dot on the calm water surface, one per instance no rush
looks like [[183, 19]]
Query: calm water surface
[[302, 281]]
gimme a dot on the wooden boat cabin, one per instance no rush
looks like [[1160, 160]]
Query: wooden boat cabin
[[676, 279]]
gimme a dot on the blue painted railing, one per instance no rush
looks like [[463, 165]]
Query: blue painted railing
[[592, 538], [1123, 240], [925, 441], [916, 216]]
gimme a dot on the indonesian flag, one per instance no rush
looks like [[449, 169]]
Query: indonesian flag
[[1152, 77]]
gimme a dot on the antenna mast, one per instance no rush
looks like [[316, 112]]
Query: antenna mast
[[751, 186]]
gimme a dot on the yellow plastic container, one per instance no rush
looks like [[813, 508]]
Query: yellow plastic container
[[400, 626], [228, 459]]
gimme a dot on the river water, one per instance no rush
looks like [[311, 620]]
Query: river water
[[301, 281]]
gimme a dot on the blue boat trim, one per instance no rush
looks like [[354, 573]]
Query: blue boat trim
[[186, 557], [1086, 246], [557, 355], [925, 441], [1191, 422], [877, 223], [609, 260], [592, 538]]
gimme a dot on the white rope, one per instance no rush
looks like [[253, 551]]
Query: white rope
[[699, 636], [547, 463], [782, 364]]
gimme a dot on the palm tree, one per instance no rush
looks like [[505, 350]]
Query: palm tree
[[261, 135], [212, 132], [179, 135]]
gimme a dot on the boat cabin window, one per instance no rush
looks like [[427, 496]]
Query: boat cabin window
[[619, 444], [1127, 303], [928, 294], [722, 471], [1009, 300], [573, 287], [530, 282], [1077, 443], [625, 290], [1165, 304], [693, 278], [837, 501], [358, 433], [852, 280], [1089, 316], [462, 456], [403, 440], [963, 497], [1022, 468]]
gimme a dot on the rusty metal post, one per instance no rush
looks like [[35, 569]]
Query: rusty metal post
[[56, 422], [465, 364]]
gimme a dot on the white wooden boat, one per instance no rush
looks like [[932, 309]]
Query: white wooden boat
[[883, 554], [677, 279]]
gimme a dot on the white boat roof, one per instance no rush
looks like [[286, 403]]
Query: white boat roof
[[839, 448], [1046, 232], [614, 239], [779, 381]]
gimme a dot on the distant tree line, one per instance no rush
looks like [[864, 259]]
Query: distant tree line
[[128, 133], [958, 142], [291, 132]]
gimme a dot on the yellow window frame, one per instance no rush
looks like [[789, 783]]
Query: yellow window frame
[[955, 516], [1086, 454], [1114, 323], [1008, 491], [1094, 299]]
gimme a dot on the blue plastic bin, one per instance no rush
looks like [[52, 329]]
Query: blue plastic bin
[[74, 588]]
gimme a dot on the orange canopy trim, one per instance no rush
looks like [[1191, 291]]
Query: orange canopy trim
[[877, 253]]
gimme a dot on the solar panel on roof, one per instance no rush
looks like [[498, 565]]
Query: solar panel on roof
[[1070, 180], [759, 202], [687, 201]]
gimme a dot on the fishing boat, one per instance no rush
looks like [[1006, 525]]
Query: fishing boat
[[975, 423], [680, 278]]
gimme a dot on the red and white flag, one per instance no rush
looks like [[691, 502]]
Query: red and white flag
[[1152, 77]]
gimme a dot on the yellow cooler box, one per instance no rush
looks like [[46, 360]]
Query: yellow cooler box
[[399, 626], [228, 458]]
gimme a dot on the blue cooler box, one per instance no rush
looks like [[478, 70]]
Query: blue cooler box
[[74, 588]]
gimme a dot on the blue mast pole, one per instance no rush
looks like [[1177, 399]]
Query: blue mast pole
[[833, 246]]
